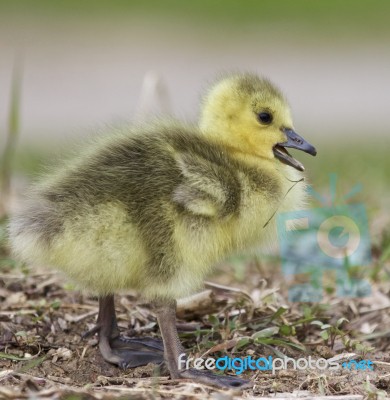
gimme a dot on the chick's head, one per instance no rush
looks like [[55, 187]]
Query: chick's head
[[250, 115]]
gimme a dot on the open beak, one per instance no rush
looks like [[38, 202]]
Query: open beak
[[295, 142]]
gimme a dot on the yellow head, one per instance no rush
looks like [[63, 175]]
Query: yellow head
[[250, 116]]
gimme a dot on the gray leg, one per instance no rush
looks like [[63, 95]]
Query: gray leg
[[118, 350], [166, 317]]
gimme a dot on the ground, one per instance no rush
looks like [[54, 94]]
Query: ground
[[42, 353]]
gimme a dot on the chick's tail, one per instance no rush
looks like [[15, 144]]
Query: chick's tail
[[31, 231]]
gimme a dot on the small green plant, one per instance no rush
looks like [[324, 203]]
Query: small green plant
[[56, 304], [26, 339], [330, 332]]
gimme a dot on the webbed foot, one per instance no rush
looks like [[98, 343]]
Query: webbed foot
[[134, 352], [220, 381], [122, 351]]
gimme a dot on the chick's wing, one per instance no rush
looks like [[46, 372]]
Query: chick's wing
[[206, 189]]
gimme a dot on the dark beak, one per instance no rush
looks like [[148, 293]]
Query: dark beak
[[295, 142]]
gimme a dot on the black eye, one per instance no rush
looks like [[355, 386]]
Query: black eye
[[265, 117]]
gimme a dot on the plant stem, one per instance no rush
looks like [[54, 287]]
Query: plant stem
[[11, 141]]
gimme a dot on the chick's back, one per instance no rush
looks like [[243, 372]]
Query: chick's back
[[151, 211]]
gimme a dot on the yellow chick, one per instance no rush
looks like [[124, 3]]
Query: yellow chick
[[153, 208]]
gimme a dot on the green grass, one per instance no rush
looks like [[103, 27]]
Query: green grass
[[362, 164], [349, 17]]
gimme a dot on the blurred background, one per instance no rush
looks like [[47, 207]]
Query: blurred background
[[85, 64]]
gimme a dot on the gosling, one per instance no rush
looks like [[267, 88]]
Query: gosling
[[153, 208]]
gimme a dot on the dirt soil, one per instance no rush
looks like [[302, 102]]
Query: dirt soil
[[42, 353]]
